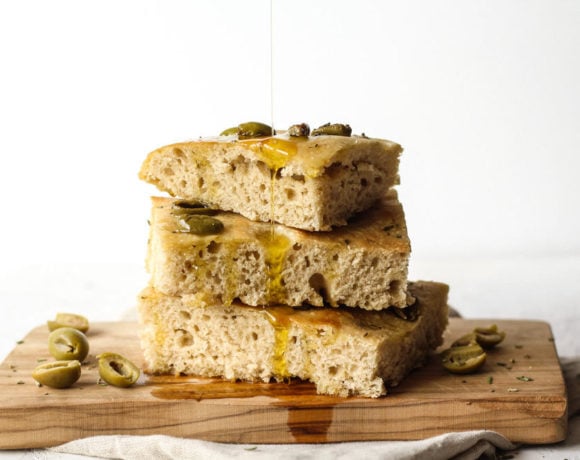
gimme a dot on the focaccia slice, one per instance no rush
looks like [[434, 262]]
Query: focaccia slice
[[311, 183], [343, 351], [363, 264]]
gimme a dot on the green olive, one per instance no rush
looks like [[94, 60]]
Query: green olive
[[69, 320], [67, 343], [200, 224], [488, 337], [463, 359], [183, 207], [333, 129], [467, 339], [249, 130], [117, 370], [300, 130], [229, 131], [57, 374], [253, 129]]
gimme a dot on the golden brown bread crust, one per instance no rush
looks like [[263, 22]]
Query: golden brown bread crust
[[343, 351], [313, 183], [362, 264]]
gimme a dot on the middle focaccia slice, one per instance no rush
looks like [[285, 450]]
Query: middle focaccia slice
[[363, 264]]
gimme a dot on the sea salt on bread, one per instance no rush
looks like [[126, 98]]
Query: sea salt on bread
[[312, 183], [343, 351], [362, 264]]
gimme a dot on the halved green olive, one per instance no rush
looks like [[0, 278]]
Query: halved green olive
[[200, 224], [467, 339], [299, 130], [249, 130], [253, 129], [230, 131], [463, 359], [69, 320], [67, 343], [333, 129], [182, 207], [117, 370], [488, 337], [57, 374]]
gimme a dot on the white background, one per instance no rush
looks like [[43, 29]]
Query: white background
[[483, 95]]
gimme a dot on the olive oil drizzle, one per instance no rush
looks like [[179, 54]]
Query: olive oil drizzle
[[281, 325]]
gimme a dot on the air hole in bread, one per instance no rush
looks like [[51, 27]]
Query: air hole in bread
[[334, 170], [290, 194], [205, 317], [254, 336], [332, 370], [298, 177], [335, 257], [200, 182], [213, 247], [263, 167], [184, 339], [394, 287], [374, 262], [183, 183], [364, 182], [318, 283], [297, 246], [185, 315], [378, 180], [178, 152], [168, 171]]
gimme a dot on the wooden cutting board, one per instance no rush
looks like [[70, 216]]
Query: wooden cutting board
[[429, 402]]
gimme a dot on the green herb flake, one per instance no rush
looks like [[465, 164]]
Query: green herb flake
[[251, 448], [512, 390], [20, 382], [20, 342], [523, 378], [519, 347], [490, 380]]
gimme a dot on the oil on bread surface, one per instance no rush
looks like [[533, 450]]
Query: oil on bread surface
[[284, 255]]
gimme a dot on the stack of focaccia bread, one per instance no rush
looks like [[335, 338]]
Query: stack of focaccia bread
[[284, 256]]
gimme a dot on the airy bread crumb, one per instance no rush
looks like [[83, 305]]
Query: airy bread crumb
[[343, 351], [363, 264], [313, 184]]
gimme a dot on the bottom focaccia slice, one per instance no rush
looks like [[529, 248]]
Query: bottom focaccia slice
[[343, 351]]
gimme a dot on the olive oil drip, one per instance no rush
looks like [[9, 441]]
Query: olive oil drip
[[279, 318], [276, 152]]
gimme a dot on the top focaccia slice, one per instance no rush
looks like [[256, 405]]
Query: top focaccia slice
[[311, 183]]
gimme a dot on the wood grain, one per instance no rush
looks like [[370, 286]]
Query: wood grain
[[429, 402]]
